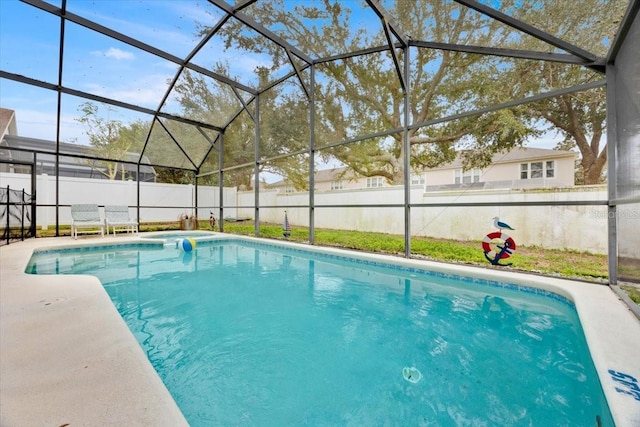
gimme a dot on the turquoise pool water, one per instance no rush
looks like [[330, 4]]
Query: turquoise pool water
[[253, 334]]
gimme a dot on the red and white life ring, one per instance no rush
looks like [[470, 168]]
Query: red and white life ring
[[508, 241]]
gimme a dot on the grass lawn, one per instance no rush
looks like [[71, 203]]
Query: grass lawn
[[633, 291]]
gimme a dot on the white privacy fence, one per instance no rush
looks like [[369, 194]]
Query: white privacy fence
[[579, 227], [165, 201]]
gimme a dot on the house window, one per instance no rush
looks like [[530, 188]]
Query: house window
[[289, 189], [550, 169], [417, 180], [467, 177], [537, 170], [524, 171], [336, 185], [374, 182]]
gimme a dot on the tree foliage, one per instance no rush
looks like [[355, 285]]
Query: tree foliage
[[579, 118], [107, 138], [282, 128], [362, 95]]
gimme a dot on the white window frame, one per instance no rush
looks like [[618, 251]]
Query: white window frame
[[550, 169], [337, 185], [536, 169], [418, 179], [471, 175], [375, 182], [541, 169]]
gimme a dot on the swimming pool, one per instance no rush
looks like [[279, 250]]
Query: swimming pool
[[281, 336]]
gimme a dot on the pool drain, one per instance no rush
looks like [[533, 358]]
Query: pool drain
[[411, 374]]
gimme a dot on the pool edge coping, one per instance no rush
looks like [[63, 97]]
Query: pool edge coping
[[55, 368], [599, 309]]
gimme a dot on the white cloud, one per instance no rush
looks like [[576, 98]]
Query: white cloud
[[116, 53], [160, 30], [146, 90]]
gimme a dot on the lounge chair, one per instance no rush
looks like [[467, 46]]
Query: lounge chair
[[117, 216], [86, 218]]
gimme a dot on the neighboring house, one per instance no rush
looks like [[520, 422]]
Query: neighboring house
[[518, 168], [7, 123], [16, 154]]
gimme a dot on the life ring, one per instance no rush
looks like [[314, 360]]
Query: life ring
[[510, 245]]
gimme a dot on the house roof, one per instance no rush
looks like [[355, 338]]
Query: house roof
[[66, 149], [333, 173], [515, 155], [10, 139], [6, 119]]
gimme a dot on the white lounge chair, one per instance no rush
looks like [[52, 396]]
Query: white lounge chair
[[117, 216], [86, 218]]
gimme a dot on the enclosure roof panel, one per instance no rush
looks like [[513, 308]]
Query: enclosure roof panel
[[171, 26], [202, 63]]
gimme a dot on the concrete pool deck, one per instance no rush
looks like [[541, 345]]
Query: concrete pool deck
[[67, 357]]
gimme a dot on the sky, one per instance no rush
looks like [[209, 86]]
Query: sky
[[99, 65], [92, 62]]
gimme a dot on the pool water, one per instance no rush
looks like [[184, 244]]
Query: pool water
[[250, 334]]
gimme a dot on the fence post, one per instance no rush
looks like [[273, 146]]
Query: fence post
[[22, 216], [8, 230], [44, 195]]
